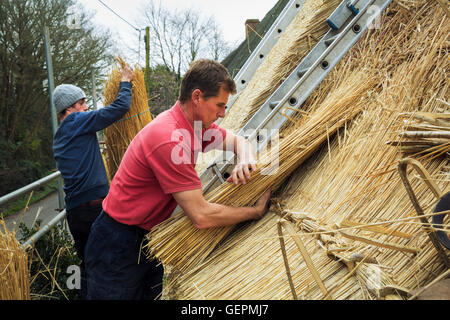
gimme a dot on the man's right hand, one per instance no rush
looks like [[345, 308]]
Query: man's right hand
[[127, 74], [262, 205]]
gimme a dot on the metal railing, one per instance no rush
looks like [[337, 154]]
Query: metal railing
[[30, 187], [45, 229]]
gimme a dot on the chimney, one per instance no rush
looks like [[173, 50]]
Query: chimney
[[250, 26]]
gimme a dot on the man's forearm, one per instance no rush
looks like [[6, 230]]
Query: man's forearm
[[218, 215], [117, 109]]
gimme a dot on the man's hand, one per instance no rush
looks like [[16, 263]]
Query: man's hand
[[242, 172], [262, 204], [245, 155], [127, 74]]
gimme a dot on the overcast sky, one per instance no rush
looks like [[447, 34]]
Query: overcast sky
[[229, 14]]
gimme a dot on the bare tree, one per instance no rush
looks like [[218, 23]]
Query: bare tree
[[196, 33], [165, 36], [217, 47], [179, 37]]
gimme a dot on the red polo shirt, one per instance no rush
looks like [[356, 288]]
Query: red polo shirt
[[158, 162]]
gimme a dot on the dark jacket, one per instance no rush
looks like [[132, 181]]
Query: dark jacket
[[77, 153]]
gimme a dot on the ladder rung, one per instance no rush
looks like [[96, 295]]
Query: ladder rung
[[217, 172]]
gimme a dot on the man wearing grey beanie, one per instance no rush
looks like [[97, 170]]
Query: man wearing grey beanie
[[78, 157]]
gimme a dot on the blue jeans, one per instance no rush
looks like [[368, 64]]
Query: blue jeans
[[116, 268]]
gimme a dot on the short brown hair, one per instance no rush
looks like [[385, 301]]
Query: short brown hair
[[208, 76]]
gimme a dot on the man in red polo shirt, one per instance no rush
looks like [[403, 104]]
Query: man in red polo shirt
[[157, 172]]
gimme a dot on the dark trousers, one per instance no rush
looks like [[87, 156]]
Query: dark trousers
[[80, 220], [117, 268]]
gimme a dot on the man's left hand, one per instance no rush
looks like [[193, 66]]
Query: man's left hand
[[242, 172]]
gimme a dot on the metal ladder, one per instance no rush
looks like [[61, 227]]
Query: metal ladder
[[265, 45], [347, 24]]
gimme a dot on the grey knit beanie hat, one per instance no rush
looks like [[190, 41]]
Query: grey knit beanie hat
[[66, 95]]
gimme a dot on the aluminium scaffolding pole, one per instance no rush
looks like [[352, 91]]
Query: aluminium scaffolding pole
[[51, 87]]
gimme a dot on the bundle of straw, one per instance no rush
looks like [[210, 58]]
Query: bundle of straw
[[297, 40], [14, 267], [424, 133], [119, 135], [351, 187]]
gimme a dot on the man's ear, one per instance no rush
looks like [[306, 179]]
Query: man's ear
[[196, 96]]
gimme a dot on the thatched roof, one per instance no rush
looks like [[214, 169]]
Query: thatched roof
[[346, 205]]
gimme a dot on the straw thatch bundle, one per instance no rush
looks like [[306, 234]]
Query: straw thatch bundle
[[348, 204], [297, 40], [425, 133], [14, 267], [119, 135]]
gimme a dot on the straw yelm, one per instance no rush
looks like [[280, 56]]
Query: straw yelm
[[119, 135]]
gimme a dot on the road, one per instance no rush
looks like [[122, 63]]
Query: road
[[46, 208]]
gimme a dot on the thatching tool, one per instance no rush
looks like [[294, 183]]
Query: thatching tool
[[285, 259], [443, 202], [301, 247], [381, 244], [442, 205]]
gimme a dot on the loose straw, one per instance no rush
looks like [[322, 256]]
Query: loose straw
[[14, 267]]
